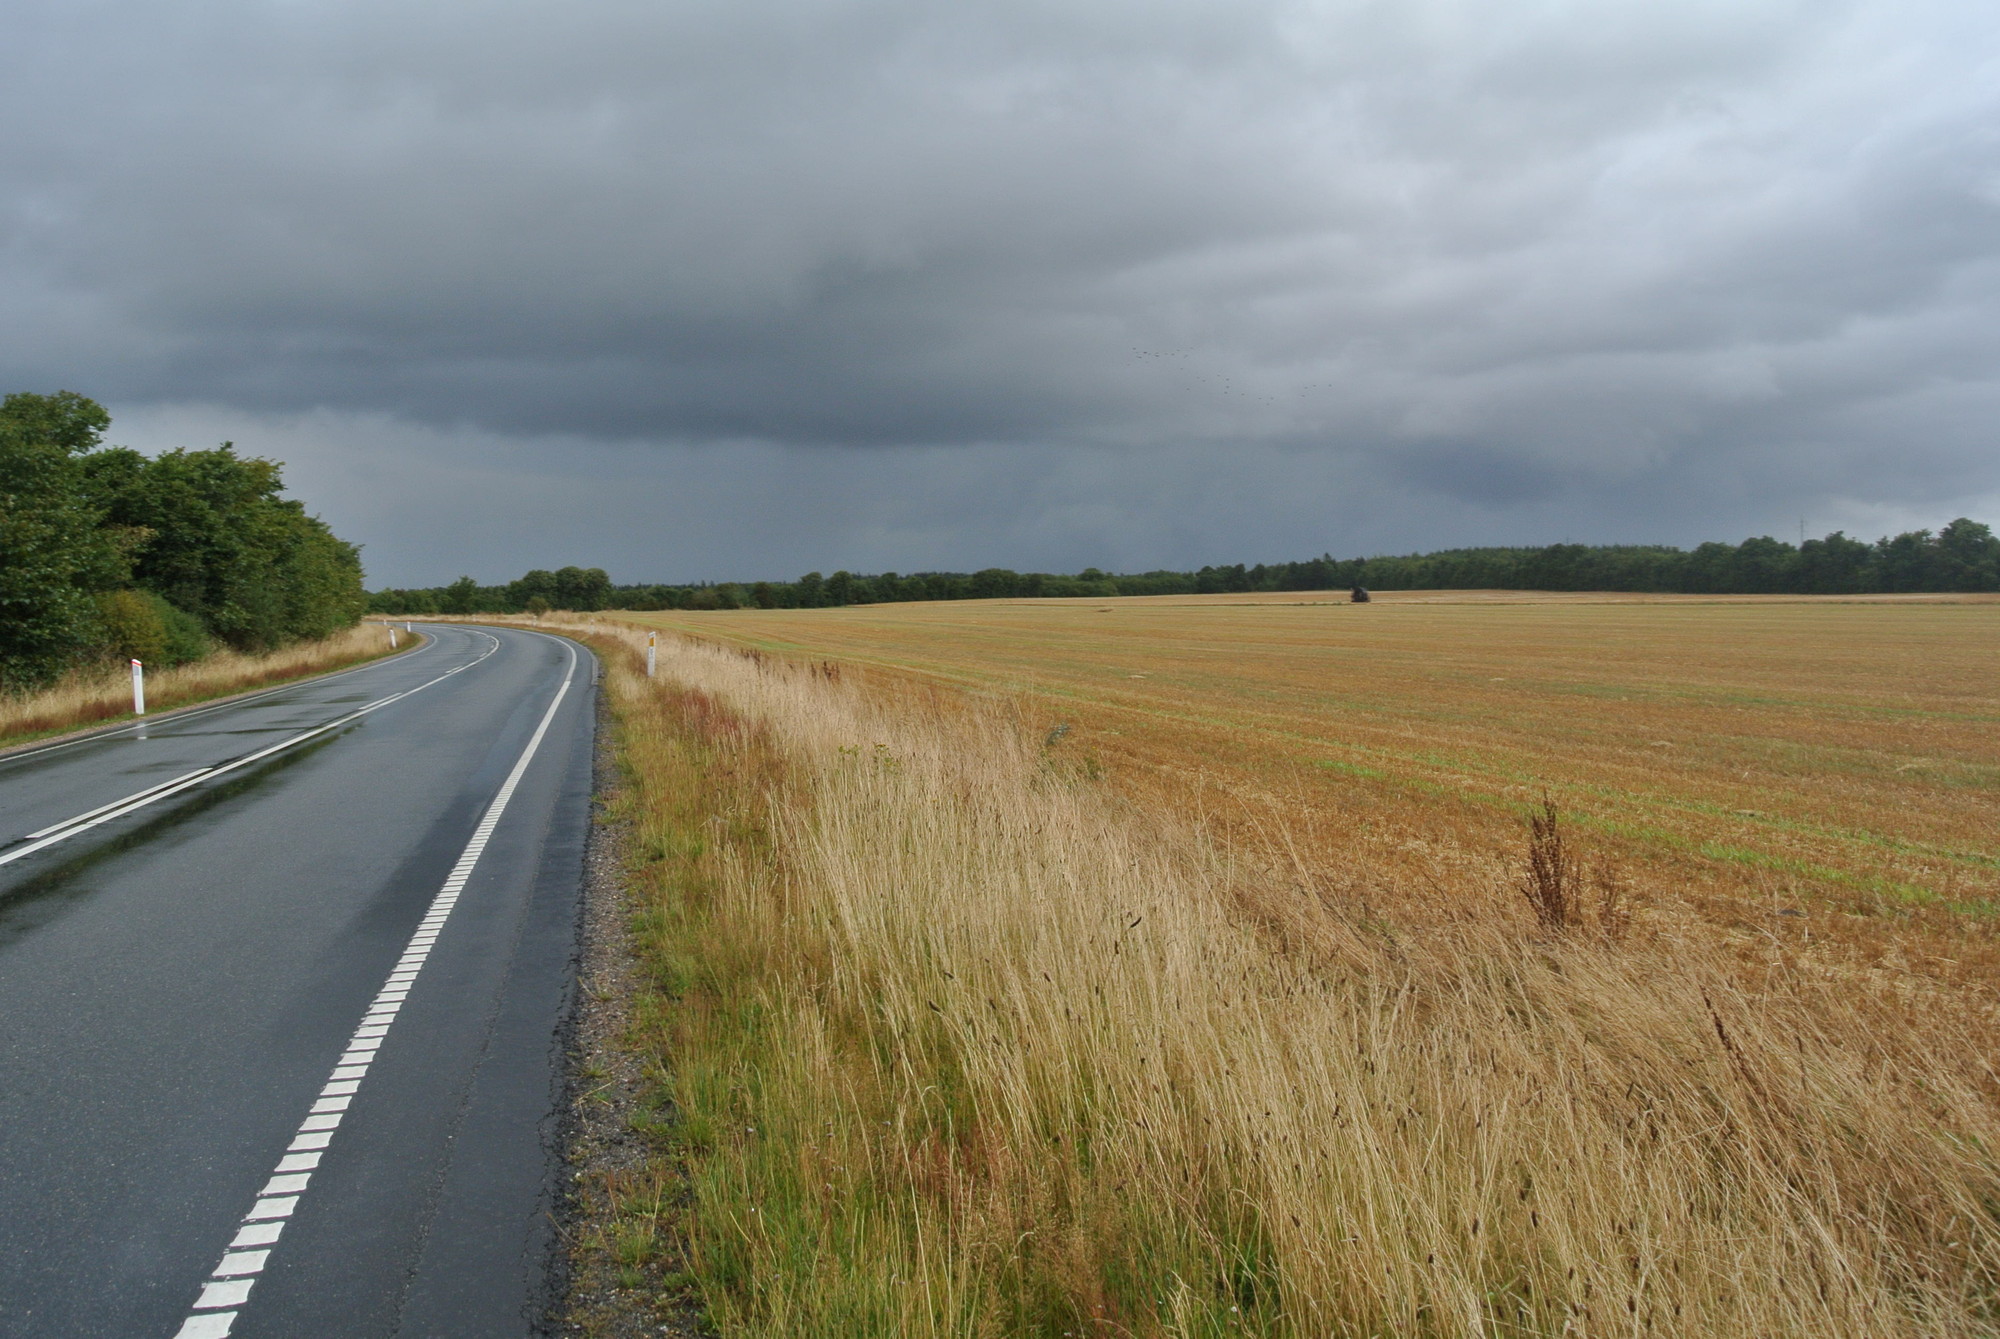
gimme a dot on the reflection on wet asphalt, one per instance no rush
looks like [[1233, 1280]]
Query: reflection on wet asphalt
[[176, 983], [38, 893], [48, 784]]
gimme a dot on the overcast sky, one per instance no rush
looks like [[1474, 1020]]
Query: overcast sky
[[743, 289]]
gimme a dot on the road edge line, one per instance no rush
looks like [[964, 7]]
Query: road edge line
[[227, 1288]]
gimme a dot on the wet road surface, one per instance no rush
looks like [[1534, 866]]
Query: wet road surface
[[281, 985]]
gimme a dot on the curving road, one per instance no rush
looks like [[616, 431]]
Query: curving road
[[282, 987]]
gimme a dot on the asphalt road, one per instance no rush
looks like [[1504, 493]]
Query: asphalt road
[[310, 1004]]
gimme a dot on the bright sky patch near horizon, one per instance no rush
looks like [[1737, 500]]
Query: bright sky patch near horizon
[[709, 291]]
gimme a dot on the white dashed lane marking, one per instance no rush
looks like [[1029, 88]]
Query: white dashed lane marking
[[228, 1288]]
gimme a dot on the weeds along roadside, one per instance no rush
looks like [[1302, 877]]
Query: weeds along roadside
[[961, 1046], [84, 700]]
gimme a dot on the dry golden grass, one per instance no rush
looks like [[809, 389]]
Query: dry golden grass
[[106, 695], [975, 1034]]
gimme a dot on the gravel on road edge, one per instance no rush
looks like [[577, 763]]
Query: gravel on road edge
[[611, 1114]]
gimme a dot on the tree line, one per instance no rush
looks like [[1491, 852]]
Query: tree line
[[1963, 556], [106, 554], [573, 588]]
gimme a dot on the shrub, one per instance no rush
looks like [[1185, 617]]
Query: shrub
[[187, 640], [132, 628], [139, 625]]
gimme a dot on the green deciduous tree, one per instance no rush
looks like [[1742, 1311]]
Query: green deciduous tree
[[55, 551], [534, 585], [581, 588], [1968, 557], [460, 597], [105, 551], [221, 544]]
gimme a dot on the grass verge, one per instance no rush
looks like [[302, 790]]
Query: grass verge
[[85, 700], [950, 1041]]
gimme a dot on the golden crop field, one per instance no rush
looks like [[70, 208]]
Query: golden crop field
[[1745, 758], [1162, 967]]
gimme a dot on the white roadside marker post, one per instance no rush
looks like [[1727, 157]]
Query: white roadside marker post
[[392, 636], [138, 689], [652, 652]]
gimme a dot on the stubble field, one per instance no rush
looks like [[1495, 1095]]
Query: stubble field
[[1163, 967], [1738, 759]]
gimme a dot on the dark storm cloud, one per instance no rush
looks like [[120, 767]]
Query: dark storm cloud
[[880, 284]]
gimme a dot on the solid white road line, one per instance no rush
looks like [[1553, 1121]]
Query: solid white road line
[[160, 723], [102, 808], [228, 1288], [104, 813]]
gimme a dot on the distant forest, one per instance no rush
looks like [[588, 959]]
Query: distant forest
[[1964, 556], [106, 554]]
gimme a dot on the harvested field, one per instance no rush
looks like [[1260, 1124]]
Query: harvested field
[[1738, 757], [1221, 1011]]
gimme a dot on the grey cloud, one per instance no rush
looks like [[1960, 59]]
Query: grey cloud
[[430, 503], [906, 285]]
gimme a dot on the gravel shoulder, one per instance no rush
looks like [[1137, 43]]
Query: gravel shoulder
[[615, 1148]]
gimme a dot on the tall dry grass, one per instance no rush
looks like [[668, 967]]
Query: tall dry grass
[[91, 697], [963, 1045]]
